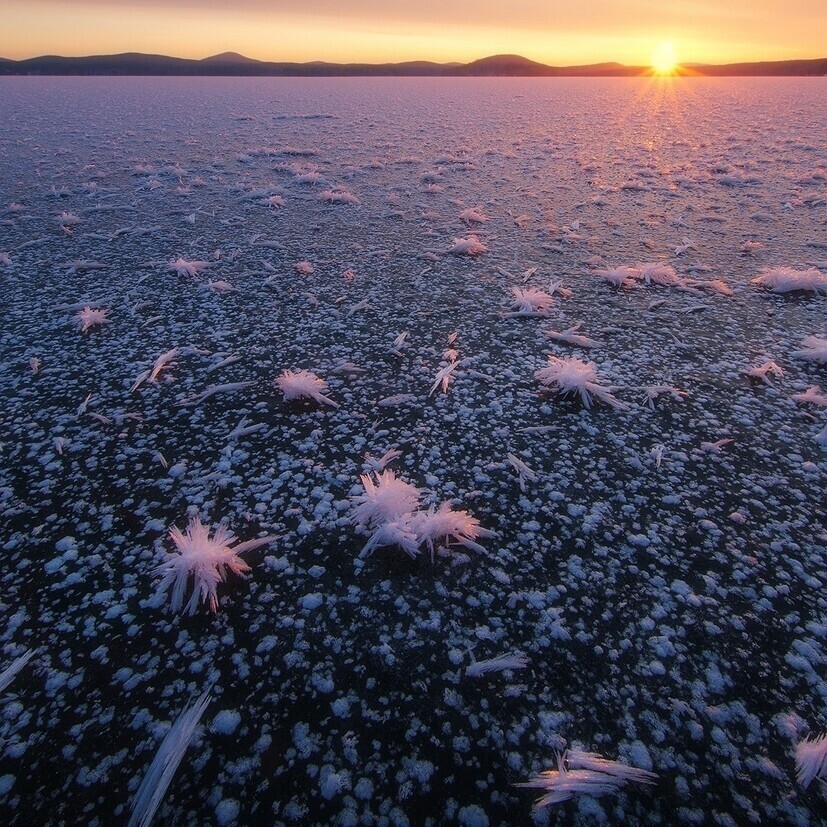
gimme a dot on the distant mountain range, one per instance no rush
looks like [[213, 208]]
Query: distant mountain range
[[233, 64]]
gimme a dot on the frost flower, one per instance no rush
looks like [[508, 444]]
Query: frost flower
[[388, 510], [385, 500], [400, 532], [443, 378], [523, 471], [162, 769], [764, 371], [498, 664], [206, 559], [163, 362], [10, 672], [91, 317], [572, 376], [220, 286], [338, 196], [448, 527], [813, 394], [67, 219], [303, 384], [584, 773], [787, 280], [470, 246], [619, 276], [528, 301], [570, 336], [811, 761], [473, 215], [187, 269], [815, 349], [657, 272], [654, 391]]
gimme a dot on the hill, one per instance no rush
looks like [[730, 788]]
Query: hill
[[231, 58], [507, 66]]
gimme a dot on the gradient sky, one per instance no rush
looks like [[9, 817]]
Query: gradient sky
[[562, 32]]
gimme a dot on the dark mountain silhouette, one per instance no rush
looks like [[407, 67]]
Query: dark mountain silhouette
[[505, 65], [766, 68], [234, 64], [229, 57]]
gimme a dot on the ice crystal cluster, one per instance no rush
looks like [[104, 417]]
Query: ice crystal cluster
[[304, 384], [91, 317], [584, 773], [574, 377], [788, 280], [204, 560], [388, 510], [811, 761], [529, 301]]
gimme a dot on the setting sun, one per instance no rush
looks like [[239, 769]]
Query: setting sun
[[664, 60]]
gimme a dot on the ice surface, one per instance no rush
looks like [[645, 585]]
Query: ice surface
[[660, 566]]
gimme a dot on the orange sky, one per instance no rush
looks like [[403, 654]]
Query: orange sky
[[562, 32]]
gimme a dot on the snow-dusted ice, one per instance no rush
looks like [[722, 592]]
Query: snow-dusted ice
[[513, 393]]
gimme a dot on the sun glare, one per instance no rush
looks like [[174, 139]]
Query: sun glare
[[664, 60]]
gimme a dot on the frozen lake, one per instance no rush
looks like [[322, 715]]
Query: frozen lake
[[658, 563]]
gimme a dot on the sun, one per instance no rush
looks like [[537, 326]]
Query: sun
[[664, 59]]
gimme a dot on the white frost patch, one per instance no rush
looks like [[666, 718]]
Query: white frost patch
[[226, 722], [226, 812], [311, 601], [331, 783], [472, 816]]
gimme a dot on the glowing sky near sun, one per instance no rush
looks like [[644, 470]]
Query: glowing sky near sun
[[558, 32]]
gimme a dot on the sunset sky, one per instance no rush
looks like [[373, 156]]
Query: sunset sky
[[562, 32]]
